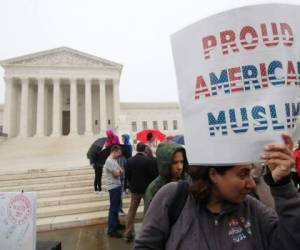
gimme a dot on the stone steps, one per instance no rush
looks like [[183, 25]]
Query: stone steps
[[76, 220], [40, 173], [70, 199], [65, 198], [76, 208], [47, 186], [44, 153], [43, 180], [65, 191]]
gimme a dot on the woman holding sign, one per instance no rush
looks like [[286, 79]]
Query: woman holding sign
[[217, 212]]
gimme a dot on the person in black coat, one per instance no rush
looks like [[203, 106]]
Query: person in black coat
[[149, 154], [139, 173]]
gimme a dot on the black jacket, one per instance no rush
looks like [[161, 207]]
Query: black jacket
[[139, 173], [154, 166]]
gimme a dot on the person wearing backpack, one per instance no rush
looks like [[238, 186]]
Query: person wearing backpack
[[172, 163], [97, 162], [215, 212]]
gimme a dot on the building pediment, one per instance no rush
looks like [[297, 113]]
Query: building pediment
[[61, 57]]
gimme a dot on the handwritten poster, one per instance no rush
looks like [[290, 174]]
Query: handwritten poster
[[17, 221], [238, 75]]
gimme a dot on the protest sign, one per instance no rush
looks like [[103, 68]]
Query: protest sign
[[238, 75], [17, 221]]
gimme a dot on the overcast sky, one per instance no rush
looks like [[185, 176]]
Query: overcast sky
[[135, 33]]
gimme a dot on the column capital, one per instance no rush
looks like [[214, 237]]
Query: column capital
[[25, 79], [115, 80], [88, 79], [73, 80], [40, 80], [55, 79], [102, 80]]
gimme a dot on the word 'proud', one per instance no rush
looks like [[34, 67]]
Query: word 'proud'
[[248, 38]]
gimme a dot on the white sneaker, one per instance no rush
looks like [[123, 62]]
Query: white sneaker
[[122, 213], [97, 192]]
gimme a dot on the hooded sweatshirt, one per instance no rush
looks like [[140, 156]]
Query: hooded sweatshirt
[[249, 225], [164, 155], [111, 138], [126, 139]]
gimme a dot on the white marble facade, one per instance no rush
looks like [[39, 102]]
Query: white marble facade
[[65, 92], [60, 92]]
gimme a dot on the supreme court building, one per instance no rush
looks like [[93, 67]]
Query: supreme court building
[[65, 92]]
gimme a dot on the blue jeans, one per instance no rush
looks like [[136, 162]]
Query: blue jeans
[[114, 208]]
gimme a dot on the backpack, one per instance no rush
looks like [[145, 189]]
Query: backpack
[[91, 153], [178, 202]]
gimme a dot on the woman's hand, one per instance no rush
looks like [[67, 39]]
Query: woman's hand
[[279, 158]]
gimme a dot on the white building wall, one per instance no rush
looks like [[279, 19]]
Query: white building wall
[[139, 112], [130, 112], [1, 117]]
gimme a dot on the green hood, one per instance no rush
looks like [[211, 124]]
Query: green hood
[[164, 155]]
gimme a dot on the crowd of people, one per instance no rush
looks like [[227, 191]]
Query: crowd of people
[[245, 206]]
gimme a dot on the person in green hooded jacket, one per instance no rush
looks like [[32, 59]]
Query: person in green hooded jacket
[[172, 163]]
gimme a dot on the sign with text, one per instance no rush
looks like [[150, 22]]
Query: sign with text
[[17, 221], [238, 76]]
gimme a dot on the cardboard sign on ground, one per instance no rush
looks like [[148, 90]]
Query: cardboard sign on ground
[[17, 221]]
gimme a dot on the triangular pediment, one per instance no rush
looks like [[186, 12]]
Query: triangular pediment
[[61, 57]]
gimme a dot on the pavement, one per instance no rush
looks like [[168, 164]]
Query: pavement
[[87, 238]]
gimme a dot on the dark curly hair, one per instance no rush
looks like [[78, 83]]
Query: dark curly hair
[[201, 186]]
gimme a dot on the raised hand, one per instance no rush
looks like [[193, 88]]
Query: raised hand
[[279, 157]]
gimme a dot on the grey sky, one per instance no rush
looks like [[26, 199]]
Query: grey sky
[[135, 33]]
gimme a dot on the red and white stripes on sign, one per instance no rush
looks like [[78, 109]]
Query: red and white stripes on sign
[[291, 76], [233, 46], [235, 79], [228, 40], [252, 32], [206, 54], [264, 76], [290, 40], [267, 41], [209, 43], [201, 88], [249, 38]]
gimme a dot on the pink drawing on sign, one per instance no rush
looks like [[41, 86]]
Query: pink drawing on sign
[[19, 209]]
